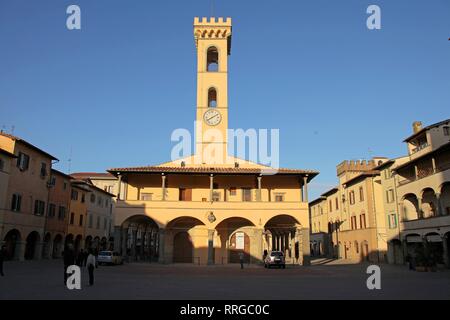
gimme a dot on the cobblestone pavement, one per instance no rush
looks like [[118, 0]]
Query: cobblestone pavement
[[44, 280]]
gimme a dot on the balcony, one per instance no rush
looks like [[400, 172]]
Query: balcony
[[432, 222], [215, 205], [423, 173], [420, 150]]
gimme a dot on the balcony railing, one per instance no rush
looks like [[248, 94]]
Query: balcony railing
[[420, 147], [425, 172]]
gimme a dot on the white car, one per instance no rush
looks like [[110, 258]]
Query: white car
[[109, 257]]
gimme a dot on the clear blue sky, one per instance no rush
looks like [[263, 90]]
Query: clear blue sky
[[114, 91]]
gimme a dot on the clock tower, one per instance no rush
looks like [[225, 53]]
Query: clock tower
[[213, 43]]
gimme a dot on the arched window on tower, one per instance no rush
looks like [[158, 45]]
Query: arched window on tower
[[212, 60], [212, 98]]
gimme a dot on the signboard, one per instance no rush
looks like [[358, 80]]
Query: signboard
[[240, 240]]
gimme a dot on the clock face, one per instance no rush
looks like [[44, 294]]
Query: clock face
[[212, 117]]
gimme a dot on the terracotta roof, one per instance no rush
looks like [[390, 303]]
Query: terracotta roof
[[331, 191], [86, 175], [317, 200], [61, 174], [27, 144], [363, 174], [437, 124], [7, 153], [210, 170]]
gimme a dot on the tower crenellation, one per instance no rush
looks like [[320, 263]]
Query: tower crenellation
[[355, 166]]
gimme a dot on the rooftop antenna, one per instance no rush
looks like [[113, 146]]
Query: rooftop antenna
[[12, 129]]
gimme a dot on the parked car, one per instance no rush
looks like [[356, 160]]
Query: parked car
[[109, 257], [275, 258]]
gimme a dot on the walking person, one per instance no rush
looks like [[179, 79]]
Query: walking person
[[2, 258], [91, 264], [241, 259], [69, 260]]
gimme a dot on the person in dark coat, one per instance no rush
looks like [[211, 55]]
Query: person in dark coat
[[2, 258], [69, 260], [80, 257]]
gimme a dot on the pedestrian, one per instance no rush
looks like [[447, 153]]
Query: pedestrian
[[80, 256], [2, 258], [91, 264], [85, 255], [241, 259], [69, 260]]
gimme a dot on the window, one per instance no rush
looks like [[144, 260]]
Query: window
[[16, 202], [232, 191], [279, 197], [446, 131], [362, 221], [43, 171], [81, 220], [216, 196], [361, 194], [212, 60], [92, 198], [337, 203], [74, 195], [105, 224], [39, 207], [100, 202], [330, 205], [72, 218], [352, 197], [354, 223], [91, 221], [51, 210], [23, 161], [246, 194], [83, 198], [390, 195], [98, 222], [392, 221], [146, 196], [65, 185], [212, 98], [2, 165], [61, 213], [185, 194]]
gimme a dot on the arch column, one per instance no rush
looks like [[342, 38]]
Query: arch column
[[439, 207], [211, 247], [419, 208], [48, 250], [161, 246]]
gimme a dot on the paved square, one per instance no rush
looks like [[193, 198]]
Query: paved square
[[44, 280]]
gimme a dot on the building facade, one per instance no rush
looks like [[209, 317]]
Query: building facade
[[57, 214], [23, 218], [354, 213], [209, 207], [423, 193]]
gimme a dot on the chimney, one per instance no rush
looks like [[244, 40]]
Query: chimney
[[417, 126]]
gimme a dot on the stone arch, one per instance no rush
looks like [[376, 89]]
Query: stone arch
[[234, 238], [13, 241], [77, 244], [88, 242], [47, 246], [429, 203], [57, 246], [69, 240], [212, 59], [410, 207], [140, 237], [285, 230], [185, 236], [32, 246], [445, 198]]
